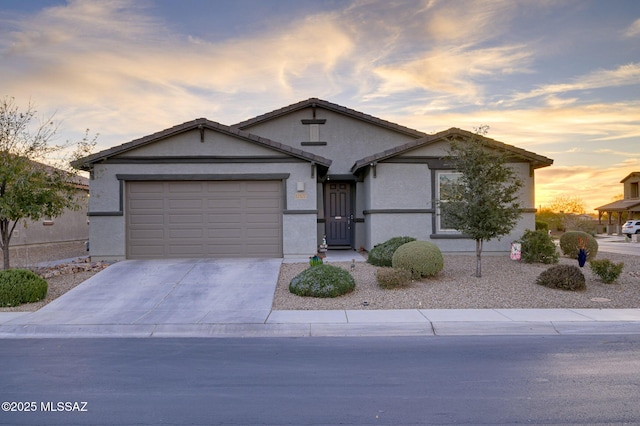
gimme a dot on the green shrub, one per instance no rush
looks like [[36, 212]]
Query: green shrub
[[322, 281], [563, 277], [382, 254], [571, 241], [19, 286], [393, 277], [421, 258], [540, 226], [538, 246], [606, 270]]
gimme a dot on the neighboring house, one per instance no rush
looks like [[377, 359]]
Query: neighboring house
[[55, 238], [627, 207], [274, 185]]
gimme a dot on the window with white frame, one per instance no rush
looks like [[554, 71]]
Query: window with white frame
[[446, 182]]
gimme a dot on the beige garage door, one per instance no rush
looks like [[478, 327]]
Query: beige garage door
[[204, 219]]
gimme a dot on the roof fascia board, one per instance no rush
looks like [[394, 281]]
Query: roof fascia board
[[538, 161]]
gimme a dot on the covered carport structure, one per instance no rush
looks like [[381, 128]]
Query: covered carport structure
[[623, 209]]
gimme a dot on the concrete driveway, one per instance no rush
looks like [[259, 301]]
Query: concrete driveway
[[189, 291]]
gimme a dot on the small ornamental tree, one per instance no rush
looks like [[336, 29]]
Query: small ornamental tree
[[30, 189], [483, 202]]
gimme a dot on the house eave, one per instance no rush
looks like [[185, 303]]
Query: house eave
[[319, 103], [87, 162], [537, 161]]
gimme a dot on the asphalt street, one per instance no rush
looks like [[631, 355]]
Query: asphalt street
[[364, 381]]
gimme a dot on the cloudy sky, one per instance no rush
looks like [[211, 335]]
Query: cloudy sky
[[559, 78]]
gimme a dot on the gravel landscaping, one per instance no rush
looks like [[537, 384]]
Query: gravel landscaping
[[504, 284]]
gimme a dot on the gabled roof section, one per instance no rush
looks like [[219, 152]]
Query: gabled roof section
[[536, 160], [631, 175], [319, 103], [200, 123]]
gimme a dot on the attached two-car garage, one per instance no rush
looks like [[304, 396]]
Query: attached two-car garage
[[199, 219]]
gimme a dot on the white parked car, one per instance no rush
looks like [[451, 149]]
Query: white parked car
[[631, 227]]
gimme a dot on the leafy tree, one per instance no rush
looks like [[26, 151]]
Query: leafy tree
[[30, 189], [483, 203]]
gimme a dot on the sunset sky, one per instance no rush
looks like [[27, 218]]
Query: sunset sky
[[559, 78]]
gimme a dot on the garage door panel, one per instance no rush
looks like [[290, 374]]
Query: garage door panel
[[148, 234], [263, 187], [260, 250], [185, 204], [185, 233], [182, 250], [204, 219], [268, 218], [258, 233], [146, 204], [225, 233], [224, 204], [228, 250], [222, 187], [264, 203], [184, 187], [185, 218], [147, 250], [146, 187], [147, 219], [220, 219]]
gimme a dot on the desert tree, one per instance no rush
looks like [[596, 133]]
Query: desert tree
[[567, 204], [483, 203], [33, 184]]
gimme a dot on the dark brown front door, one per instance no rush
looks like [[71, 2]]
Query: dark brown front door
[[338, 214]]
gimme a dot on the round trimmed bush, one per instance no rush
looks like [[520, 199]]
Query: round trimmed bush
[[570, 244], [563, 277], [382, 254], [393, 277], [18, 286], [538, 246], [322, 281], [606, 270], [421, 258]]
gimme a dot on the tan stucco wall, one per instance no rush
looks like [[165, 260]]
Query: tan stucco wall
[[348, 139]]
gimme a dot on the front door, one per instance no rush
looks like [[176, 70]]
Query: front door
[[338, 214]]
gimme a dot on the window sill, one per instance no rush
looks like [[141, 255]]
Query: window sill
[[448, 237]]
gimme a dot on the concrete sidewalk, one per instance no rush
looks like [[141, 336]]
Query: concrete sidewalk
[[352, 323]]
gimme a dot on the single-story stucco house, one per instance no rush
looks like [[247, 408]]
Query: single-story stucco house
[[276, 184]]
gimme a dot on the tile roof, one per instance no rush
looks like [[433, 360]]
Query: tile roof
[[86, 162], [319, 103], [537, 160]]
